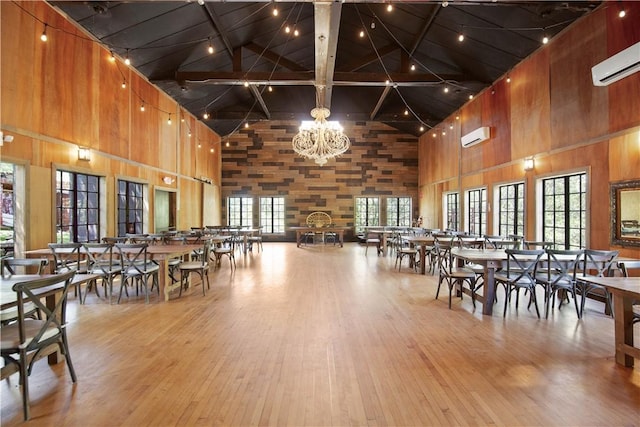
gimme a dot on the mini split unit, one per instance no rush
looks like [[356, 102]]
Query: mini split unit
[[617, 67], [475, 137]]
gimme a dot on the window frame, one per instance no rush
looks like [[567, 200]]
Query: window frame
[[271, 217], [245, 211], [519, 209], [450, 222], [401, 219], [98, 224], [142, 209], [372, 212]]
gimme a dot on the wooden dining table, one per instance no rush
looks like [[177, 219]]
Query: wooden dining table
[[424, 244], [625, 291], [161, 253]]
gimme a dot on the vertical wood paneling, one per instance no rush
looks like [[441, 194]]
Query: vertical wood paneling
[[530, 106], [66, 93], [497, 115], [578, 109]]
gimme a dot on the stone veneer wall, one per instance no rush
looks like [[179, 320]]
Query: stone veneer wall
[[259, 162]]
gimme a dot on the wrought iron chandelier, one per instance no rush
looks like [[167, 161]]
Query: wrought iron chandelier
[[320, 139]]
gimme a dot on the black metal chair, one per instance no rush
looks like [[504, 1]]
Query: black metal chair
[[452, 274], [199, 266], [559, 274], [101, 262], [11, 266], [24, 340], [138, 267], [519, 274], [596, 263]]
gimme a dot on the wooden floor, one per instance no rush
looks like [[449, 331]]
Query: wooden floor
[[326, 336]]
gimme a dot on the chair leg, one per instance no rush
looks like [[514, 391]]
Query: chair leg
[[25, 386]]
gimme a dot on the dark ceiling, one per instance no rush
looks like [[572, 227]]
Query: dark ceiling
[[329, 63]]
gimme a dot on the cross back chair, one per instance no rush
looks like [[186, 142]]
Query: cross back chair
[[452, 274], [625, 266], [26, 340], [519, 274], [138, 267], [558, 273], [69, 256], [102, 262], [198, 266], [596, 263]]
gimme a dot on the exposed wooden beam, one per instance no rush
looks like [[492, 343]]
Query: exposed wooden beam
[[260, 100], [327, 26], [383, 96], [273, 57]]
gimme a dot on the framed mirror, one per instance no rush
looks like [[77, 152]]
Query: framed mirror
[[625, 213]]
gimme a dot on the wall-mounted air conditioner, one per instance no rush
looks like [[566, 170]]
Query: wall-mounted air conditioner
[[475, 137], [617, 67]]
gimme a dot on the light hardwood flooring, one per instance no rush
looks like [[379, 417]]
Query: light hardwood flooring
[[326, 336]]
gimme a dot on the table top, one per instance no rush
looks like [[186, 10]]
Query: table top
[[623, 284], [8, 296], [319, 229]]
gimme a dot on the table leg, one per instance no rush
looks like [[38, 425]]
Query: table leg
[[622, 308], [490, 288], [423, 259]]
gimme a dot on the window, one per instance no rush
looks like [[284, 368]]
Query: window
[[7, 237], [451, 216], [477, 211], [564, 202], [240, 212], [130, 207], [272, 214], [77, 207], [367, 213], [511, 209], [399, 211]]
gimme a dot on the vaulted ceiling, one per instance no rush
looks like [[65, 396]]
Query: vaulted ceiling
[[400, 63]]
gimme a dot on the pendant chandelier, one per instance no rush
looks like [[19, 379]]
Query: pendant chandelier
[[320, 139]]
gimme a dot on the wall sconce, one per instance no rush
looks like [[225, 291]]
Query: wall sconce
[[168, 180], [5, 138], [84, 154], [529, 164]]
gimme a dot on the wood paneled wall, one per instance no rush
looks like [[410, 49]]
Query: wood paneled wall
[[66, 93], [260, 162], [550, 111]]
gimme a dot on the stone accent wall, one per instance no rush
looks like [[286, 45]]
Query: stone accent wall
[[259, 162]]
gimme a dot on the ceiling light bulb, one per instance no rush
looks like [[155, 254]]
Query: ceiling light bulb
[[126, 58], [169, 119], [434, 134], [413, 67], [361, 33], [142, 108], [205, 115], [470, 96], [270, 89], [373, 25], [189, 134], [508, 79], [421, 128], [275, 11], [246, 125], [210, 48], [43, 36], [622, 13], [200, 2], [406, 112], [389, 7], [287, 29], [211, 150], [246, 84], [124, 85], [446, 89], [444, 133], [112, 58], [226, 144], [387, 82], [545, 40], [450, 126], [460, 37], [296, 32]]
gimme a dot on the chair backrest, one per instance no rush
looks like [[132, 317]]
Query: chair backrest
[[625, 266], [67, 256], [598, 263], [318, 219], [534, 244], [469, 242], [114, 240], [522, 263], [100, 257], [134, 258], [175, 240], [11, 265], [206, 252], [562, 265], [54, 318], [444, 259]]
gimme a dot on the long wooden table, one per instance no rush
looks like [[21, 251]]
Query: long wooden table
[[423, 243], [625, 290], [159, 253], [300, 232]]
